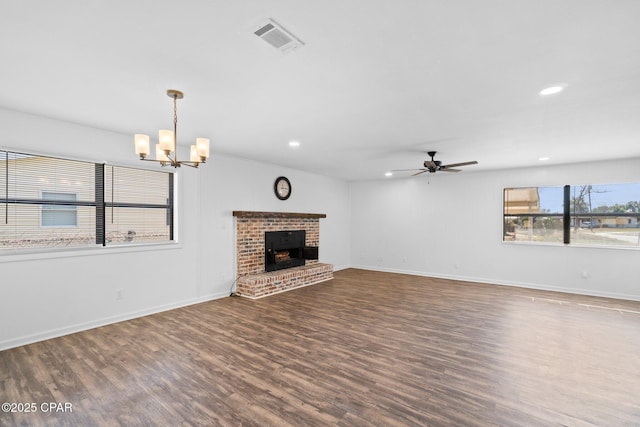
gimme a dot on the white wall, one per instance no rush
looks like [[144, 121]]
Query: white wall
[[47, 295], [450, 225]]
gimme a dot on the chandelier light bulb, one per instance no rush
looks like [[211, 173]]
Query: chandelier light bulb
[[193, 154], [161, 155], [202, 146], [165, 137], [142, 145]]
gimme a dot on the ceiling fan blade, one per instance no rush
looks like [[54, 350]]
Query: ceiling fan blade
[[453, 165], [423, 171], [450, 170], [405, 170], [430, 164]]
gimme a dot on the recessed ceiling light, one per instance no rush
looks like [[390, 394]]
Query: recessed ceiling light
[[294, 144], [388, 174], [552, 90], [543, 159]]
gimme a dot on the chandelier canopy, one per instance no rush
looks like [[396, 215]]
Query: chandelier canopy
[[166, 149]]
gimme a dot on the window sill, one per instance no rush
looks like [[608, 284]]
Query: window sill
[[13, 255], [527, 243], [572, 245]]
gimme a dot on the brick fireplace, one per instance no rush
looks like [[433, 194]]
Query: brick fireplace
[[253, 280]]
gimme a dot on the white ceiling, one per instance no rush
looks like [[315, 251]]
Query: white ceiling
[[378, 82]]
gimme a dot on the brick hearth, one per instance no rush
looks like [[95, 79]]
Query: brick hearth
[[273, 282], [253, 281]]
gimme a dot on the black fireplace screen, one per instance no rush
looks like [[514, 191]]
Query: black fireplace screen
[[286, 249]]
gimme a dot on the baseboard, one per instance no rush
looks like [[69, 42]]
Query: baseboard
[[527, 285], [54, 333]]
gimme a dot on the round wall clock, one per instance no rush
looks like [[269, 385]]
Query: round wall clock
[[282, 188]]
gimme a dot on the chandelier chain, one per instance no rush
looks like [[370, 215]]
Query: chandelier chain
[[175, 111]]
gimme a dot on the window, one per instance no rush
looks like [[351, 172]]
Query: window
[[605, 215], [533, 214], [592, 215], [47, 202], [59, 215], [138, 207]]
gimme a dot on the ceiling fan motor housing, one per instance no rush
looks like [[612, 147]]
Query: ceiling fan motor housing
[[429, 164]]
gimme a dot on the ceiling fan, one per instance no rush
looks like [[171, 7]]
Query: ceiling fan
[[433, 166]]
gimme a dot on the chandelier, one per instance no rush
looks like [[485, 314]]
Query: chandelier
[[166, 149]]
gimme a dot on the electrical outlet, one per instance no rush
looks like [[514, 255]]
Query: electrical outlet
[[119, 294]]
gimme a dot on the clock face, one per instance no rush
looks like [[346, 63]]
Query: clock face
[[282, 188]]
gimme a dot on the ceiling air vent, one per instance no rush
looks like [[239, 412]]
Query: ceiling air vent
[[278, 37]]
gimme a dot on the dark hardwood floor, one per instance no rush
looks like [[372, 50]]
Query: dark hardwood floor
[[366, 348]]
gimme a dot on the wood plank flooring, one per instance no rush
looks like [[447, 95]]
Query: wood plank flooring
[[365, 348]]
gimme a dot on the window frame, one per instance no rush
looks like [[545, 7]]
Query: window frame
[[531, 216], [104, 204], [569, 217], [99, 203]]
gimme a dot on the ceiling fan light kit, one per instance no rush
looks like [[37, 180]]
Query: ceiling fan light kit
[[166, 148]]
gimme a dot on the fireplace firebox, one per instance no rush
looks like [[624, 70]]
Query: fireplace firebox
[[286, 249]]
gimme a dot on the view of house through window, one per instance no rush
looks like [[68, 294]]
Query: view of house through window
[[592, 215], [47, 202], [533, 214], [59, 215], [605, 214]]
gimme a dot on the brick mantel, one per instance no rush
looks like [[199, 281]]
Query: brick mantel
[[256, 214]]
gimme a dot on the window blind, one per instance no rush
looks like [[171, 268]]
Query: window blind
[[48, 202]]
